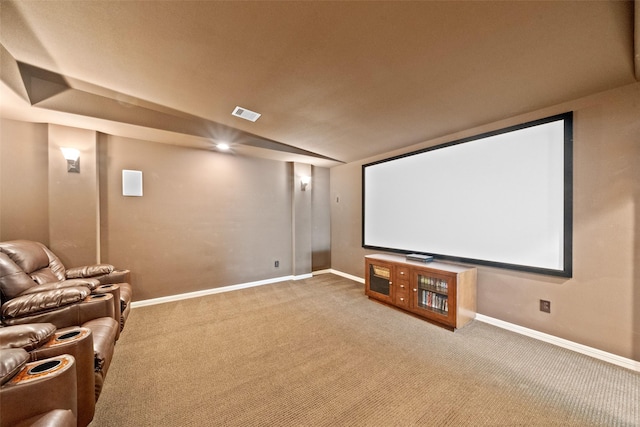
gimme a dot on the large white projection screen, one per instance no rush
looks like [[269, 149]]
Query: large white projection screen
[[500, 199]]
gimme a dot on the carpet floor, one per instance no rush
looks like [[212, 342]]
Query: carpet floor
[[317, 352]]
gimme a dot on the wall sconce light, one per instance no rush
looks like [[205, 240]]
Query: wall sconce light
[[73, 159], [304, 181]]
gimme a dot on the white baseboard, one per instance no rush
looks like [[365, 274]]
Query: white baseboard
[[340, 273], [212, 291], [561, 342]]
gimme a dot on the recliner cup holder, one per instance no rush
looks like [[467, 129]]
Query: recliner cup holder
[[98, 295], [44, 367], [68, 335], [105, 286]]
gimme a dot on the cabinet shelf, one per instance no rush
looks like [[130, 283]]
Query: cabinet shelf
[[434, 290], [440, 292]]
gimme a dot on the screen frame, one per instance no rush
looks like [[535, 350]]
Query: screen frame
[[567, 249]]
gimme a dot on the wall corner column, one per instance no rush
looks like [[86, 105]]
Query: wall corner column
[[74, 224], [301, 221]]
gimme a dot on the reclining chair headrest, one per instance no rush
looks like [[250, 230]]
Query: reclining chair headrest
[[13, 280], [35, 259], [28, 255]]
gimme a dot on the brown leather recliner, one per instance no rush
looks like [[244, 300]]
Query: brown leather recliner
[[61, 303], [30, 393], [25, 259], [93, 356]]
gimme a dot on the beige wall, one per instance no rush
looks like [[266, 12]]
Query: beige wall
[[206, 219], [73, 197], [600, 305], [24, 198], [40, 200]]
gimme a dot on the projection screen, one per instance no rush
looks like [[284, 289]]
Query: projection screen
[[502, 198]]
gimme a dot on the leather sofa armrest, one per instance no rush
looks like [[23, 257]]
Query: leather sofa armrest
[[31, 393], [89, 271], [92, 307], [91, 284], [28, 304], [77, 342], [27, 337], [116, 276], [87, 281], [46, 287]]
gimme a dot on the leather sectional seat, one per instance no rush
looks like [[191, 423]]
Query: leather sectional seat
[[31, 271], [92, 346]]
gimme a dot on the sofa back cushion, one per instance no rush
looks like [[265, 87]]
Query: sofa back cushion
[[55, 265], [13, 280], [11, 362], [35, 259]]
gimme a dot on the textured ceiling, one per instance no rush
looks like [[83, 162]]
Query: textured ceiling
[[333, 80]]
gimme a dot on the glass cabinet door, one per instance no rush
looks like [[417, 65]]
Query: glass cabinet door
[[379, 283], [431, 295]]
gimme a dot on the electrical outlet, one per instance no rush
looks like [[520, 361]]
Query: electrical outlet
[[276, 264], [545, 306]]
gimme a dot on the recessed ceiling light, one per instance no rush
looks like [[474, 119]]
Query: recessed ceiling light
[[223, 146], [243, 113]]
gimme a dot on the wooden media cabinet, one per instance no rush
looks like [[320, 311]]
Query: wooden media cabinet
[[439, 292]]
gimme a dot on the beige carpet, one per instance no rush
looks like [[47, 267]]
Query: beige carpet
[[317, 352]]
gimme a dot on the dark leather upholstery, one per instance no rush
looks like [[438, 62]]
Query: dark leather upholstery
[[37, 302], [54, 418], [12, 360], [92, 347], [74, 314], [36, 260], [35, 287], [30, 268], [14, 279], [28, 337], [27, 398], [104, 339]]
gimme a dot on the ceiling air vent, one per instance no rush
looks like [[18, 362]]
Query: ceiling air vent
[[243, 113]]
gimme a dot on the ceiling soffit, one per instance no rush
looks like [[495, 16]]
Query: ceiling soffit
[[337, 80]]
